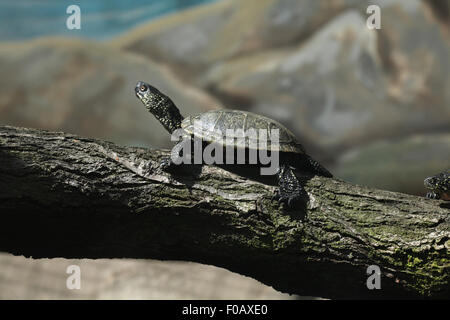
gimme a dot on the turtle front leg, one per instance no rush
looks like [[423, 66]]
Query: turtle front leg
[[433, 195], [167, 163], [290, 189]]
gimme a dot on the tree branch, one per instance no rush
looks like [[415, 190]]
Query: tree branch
[[66, 196]]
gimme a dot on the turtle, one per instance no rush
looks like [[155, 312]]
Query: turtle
[[439, 186], [292, 155]]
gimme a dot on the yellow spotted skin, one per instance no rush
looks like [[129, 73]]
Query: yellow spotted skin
[[160, 105], [439, 186]]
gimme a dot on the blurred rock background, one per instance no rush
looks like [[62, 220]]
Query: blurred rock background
[[372, 105]]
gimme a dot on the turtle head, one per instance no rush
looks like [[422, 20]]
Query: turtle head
[[439, 182], [151, 97], [159, 105], [431, 183]]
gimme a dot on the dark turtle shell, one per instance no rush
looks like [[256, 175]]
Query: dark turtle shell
[[212, 126]]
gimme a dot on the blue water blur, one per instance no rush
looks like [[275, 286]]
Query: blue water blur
[[100, 19]]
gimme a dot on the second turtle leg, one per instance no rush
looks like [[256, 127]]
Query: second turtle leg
[[181, 159], [290, 189]]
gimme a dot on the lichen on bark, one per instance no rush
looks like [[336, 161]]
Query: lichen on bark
[[68, 196]]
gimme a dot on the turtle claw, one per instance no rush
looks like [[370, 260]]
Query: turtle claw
[[432, 195], [166, 164], [291, 200], [276, 196]]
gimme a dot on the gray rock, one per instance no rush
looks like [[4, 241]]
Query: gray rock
[[194, 39], [88, 89], [324, 89], [347, 85], [185, 38], [31, 279]]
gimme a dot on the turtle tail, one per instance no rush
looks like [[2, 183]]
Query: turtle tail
[[316, 168]]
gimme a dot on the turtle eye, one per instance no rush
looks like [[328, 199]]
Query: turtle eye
[[143, 88]]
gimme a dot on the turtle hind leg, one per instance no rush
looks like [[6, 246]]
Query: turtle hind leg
[[290, 189]]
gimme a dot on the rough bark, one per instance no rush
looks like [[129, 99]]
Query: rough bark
[[66, 196]]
